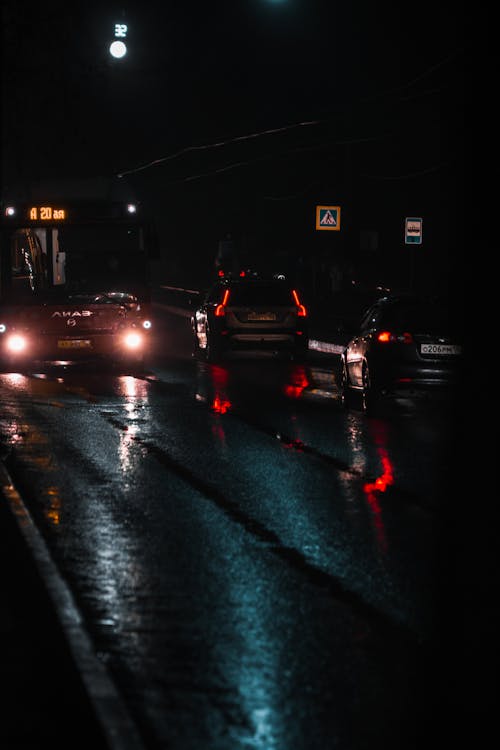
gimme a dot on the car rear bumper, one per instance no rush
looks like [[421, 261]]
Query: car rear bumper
[[406, 378], [264, 340]]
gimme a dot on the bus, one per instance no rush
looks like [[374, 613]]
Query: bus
[[74, 277]]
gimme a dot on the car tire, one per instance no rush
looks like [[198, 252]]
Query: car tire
[[300, 352], [213, 349], [369, 394], [195, 348], [343, 386]]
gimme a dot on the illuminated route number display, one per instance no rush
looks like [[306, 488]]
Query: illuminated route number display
[[47, 213]]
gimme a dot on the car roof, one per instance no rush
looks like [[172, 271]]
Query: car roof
[[252, 281], [277, 292], [411, 299]]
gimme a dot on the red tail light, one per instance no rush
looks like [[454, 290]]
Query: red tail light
[[220, 310], [387, 337], [301, 310], [384, 337]]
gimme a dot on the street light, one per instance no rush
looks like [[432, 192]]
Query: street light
[[118, 48]]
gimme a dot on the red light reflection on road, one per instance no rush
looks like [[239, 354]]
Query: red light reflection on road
[[213, 392], [382, 482], [220, 404], [374, 489], [298, 382]]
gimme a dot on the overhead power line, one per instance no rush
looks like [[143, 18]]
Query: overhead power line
[[219, 144], [303, 124]]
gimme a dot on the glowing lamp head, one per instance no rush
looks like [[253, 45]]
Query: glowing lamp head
[[118, 49]]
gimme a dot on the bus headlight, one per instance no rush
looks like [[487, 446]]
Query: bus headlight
[[16, 343], [132, 340]]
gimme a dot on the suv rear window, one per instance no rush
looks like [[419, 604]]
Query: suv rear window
[[255, 293], [417, 317]]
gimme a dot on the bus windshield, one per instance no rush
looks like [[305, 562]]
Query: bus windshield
[[77, 259]]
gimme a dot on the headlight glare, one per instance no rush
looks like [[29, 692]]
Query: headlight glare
[[132, 340], [16, 343]]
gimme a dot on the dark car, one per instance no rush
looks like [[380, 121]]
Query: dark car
[[405, 344], [251, 314]]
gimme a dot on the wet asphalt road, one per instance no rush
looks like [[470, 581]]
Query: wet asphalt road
[[255, 567]]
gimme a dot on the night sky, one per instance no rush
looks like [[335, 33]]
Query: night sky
[[249, 113]]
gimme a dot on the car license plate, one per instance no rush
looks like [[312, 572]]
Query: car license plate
[[261, 316], [74, 344], [440, 349]]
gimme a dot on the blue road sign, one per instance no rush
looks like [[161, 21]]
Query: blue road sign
[[413, 231]]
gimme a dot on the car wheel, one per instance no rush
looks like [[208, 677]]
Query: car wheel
[[213, 349], [369, 396], [300, 353], [343, 386], [195, 348]]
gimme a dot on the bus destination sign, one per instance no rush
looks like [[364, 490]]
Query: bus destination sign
[[47, 213]]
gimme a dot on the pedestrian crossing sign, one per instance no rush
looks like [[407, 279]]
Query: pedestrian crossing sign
[[328, 217]]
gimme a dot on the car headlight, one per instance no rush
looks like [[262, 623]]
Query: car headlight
[[132, 340], [16, 343]]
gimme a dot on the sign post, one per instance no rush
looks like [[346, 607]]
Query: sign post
[[413, 236]]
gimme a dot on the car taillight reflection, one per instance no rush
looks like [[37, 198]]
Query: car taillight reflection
[[373, 490], [220, 404], [298, 383], [385, 480]]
